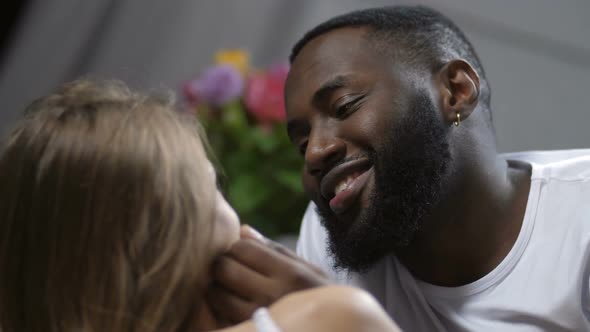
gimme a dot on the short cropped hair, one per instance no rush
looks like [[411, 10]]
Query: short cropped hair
[[421, 37]]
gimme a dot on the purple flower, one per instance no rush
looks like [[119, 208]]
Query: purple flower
[[216, 86]]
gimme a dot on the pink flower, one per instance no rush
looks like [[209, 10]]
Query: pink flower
[[264, 95]]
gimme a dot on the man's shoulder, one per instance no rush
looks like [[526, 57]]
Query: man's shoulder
[[557, 165], [546, 157], [560, 194]]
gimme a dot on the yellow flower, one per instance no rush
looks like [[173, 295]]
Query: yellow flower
[[237, 58]]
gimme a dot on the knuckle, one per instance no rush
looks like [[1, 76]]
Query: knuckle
[[282, 249], [298, 277], [277, 293], [244, 248], [268, 294], [266, 298]]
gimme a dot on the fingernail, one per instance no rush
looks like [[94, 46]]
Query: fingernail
[[253, 233]]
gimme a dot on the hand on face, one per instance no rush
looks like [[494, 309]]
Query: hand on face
[[255, 273]]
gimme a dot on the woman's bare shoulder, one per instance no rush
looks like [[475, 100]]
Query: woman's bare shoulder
[[333, 308], [330, 308]]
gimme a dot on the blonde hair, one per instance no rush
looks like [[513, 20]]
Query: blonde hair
[[106, 208]]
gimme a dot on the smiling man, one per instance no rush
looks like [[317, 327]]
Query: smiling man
[[390, 108]]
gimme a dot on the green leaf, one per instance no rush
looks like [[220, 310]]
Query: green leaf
[[234, 116], [290, 179], [265, 141], [246, 193]]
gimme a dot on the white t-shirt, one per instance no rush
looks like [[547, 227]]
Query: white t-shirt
[[541, 285], [264, 322]]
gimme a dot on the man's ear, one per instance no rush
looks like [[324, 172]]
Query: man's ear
[[458, 85]]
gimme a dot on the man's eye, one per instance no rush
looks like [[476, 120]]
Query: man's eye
[[348, 107], [343, 110]]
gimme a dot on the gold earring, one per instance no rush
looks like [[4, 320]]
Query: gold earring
[[458, 121]]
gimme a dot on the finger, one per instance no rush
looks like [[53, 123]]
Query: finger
[[229, 307], [248, 232], [317, 269], [240, 279], [282, 249], [289, 253], [292, 255], [208, 320], [260, 257]]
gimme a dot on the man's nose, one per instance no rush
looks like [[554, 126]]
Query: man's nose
[[323, 152]]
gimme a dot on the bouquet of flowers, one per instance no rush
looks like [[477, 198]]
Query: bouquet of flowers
[[243, 113]]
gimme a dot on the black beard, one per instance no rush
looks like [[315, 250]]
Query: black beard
[[409, 172]]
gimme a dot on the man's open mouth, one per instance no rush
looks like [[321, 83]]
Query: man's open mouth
[[343, 185]]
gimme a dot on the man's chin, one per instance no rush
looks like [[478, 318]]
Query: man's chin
[[347, 257], [350, 242]]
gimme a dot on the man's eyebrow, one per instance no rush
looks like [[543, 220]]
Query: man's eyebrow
[[329, 86]]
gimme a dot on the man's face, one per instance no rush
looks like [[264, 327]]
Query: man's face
[[375, 147]]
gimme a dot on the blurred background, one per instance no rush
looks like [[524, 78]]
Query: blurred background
[[536, 53]]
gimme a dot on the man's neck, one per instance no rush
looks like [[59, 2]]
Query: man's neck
[[473, 228]]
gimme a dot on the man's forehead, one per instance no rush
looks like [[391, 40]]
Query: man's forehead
[[339, 44], [340, 52]]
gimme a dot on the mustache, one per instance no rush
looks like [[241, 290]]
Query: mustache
[[351, 158]]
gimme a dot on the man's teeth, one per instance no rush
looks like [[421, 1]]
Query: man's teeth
[[343, 185]]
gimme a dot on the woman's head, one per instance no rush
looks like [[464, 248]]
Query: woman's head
[[107, 214]]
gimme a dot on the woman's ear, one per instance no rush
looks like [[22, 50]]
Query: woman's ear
[[458, 85]]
